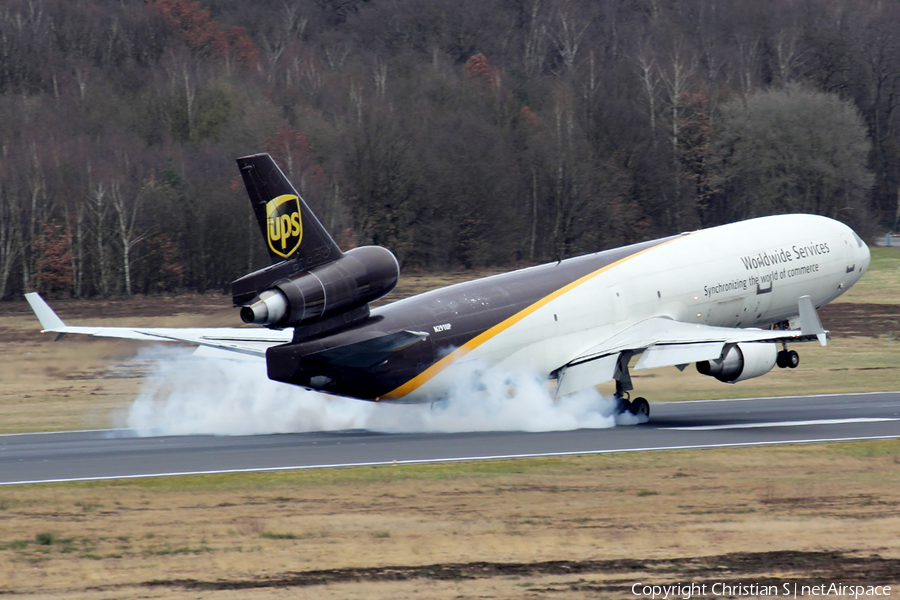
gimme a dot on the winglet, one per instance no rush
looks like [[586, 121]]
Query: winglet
[[809, 320], [49, 320]]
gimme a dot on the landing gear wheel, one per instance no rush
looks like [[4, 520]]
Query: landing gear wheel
[[640, 407], [622, 403], [781, 359], [792, 359], [787, 359]]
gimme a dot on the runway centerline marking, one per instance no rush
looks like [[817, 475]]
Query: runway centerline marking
[[781, 424]]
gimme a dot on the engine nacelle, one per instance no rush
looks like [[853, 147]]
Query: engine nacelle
[[740, 362], [360, 276]]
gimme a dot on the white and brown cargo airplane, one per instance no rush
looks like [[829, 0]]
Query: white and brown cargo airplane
[[728, 298]]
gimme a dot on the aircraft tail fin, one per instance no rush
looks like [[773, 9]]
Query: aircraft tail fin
[[290, 229]]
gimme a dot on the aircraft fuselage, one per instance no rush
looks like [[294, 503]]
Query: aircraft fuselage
[[746, 274]]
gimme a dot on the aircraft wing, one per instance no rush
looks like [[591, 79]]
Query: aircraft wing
[[247, 341], [663, 342]]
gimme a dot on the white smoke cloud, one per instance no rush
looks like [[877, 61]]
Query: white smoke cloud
[[189, 394]]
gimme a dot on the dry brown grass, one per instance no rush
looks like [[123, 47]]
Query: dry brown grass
[[110, 538]]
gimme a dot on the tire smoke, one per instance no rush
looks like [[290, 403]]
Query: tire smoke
[[189, 394]]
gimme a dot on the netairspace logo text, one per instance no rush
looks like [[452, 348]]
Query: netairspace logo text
[[687, 591]]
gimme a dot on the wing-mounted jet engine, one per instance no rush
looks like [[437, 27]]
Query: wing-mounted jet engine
[[311, 281], [740, 362]]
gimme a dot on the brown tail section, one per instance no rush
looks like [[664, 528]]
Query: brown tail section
[[290, 229]]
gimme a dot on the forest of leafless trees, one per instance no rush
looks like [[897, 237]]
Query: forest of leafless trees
[[458, 133]]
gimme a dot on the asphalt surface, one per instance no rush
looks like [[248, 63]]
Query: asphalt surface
[[112, 454]]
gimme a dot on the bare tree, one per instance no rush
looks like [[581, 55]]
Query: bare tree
[[711, 47], [190, 99], [379, 74], [77, 232], [571, 191], [81, 78], [650, 80], [788, 57], [612, 27], [676, 78], [37, 206], [293, 20], [356, 98], [748, 61], [274, 44], [568, 37], [9, 238], [289, 28], [126, 207], [311, 75], [336, 55], [681, 68], [536, 40], [99, 208]]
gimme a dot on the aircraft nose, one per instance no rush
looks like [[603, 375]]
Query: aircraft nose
[[863, 256], [859, 250]]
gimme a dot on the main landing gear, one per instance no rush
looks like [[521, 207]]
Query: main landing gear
[[639, 406], [787, 359]]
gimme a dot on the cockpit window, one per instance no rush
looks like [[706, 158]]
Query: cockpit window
[[859, 241]]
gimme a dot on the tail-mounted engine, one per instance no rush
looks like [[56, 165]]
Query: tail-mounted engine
[[310, 280], [279, 297], [740, 362]]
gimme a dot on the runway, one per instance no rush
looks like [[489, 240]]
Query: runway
[[114, 454]]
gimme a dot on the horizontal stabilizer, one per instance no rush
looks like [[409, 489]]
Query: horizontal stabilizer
[[252, 341], [49, 320]]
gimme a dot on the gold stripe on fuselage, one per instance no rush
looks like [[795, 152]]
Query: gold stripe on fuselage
[[429, 373]]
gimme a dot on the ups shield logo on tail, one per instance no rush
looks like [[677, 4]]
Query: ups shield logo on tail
[[285, 226]]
